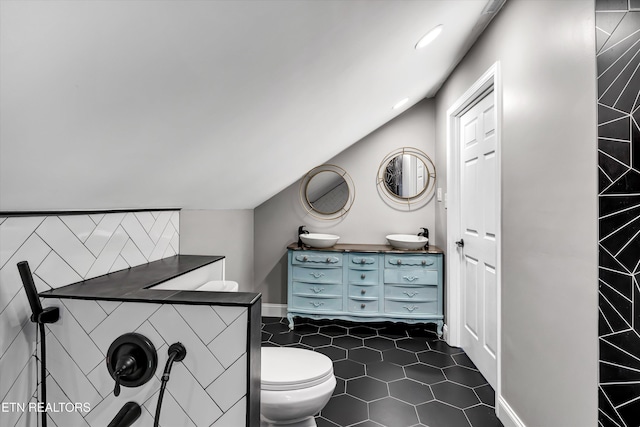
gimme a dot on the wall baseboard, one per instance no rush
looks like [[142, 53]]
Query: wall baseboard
[[507, 415], [274, 310]]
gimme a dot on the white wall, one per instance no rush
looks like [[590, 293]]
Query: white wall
[[549, 254], [221, 232], [370, 218]]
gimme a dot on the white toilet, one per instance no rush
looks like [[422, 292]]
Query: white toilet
[[295, 385]]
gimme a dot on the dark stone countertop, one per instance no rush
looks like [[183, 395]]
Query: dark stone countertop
[[362, 247], [136, 284]]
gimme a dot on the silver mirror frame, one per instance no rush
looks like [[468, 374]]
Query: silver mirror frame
[[407, 203], [305, 201]]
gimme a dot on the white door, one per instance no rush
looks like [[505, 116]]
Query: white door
[[478, 209]]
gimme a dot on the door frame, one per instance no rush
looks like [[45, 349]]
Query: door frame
[[491, 79]]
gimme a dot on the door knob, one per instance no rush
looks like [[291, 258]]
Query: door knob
[[460, 243]]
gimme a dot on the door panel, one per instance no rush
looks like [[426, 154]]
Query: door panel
[[479, 228], [471, 292]]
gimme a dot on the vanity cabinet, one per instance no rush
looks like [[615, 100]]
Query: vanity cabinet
[[366, 283]]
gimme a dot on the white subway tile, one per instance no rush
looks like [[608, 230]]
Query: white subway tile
[[68, 375], [162, 243], [88, 313], [138, 234], [126, 318], [66, 244], [81, 225], [203, 320], [55, 395], [227, 313], [236, 416], [109, 253], [109, 306], [103, 232], [13, 233], [119, 264], [231, 386], [132, 254], [55, 272], [232, 342], [74, 339], [191, 397], [159, 225], [200, 362], [171, 414], [146, 219]]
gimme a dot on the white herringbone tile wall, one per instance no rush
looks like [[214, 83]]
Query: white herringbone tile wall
[[62, 250], [207, 389]]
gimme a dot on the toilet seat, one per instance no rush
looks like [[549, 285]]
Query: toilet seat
[[293, 368]]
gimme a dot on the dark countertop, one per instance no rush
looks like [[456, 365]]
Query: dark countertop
[[361, 247], [135, 284]]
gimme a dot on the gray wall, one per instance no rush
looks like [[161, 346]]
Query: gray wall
[[370, 218], [549, 252], [221, 232]]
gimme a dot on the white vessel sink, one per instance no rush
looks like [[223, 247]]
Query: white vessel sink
[[316, 240], [407, 241]]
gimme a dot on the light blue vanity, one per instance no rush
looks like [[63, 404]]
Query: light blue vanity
[[366, 283]]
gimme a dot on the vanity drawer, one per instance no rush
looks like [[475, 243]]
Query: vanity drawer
[[363, 261], [410, 307], [363, 277], [411, 293], [317, 289], [426, 260], [411, 276], [363, 291], [363, 305], [317, 275], [302, 302], [316, 258]]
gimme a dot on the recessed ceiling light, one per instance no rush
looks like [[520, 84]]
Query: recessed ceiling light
[[400, 103], [429, 37]]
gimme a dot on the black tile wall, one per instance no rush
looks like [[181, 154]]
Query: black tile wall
[[618, 64]]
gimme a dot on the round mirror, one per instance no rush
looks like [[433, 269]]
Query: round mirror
[[327, 192], [406, 178]]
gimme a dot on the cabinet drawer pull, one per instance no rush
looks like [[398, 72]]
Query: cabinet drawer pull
[[424, 262], [410, 294], [305, 258], [410, 309], [317, 275], [399, 262], [363, 292], [316, 304], [363, 305], [317, 290], [328, 259], [410, 278], [362, 276]]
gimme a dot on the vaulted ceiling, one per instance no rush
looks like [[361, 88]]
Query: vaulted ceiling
[[204, 104]]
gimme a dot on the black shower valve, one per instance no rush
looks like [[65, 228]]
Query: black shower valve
[[131, 360]]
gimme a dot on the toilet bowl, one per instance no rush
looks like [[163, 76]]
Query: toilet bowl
[[295, 385]]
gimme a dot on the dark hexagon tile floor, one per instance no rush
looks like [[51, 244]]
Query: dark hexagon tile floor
[[391, 375]]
